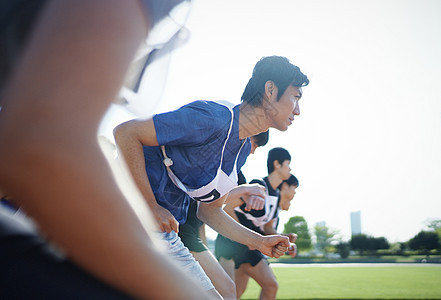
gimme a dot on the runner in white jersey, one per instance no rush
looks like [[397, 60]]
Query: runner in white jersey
[[287, 191], [252, 263], [256, 219]]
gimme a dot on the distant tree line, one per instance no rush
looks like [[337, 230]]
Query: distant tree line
[[326, 240]]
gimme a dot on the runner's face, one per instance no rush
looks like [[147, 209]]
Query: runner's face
[[285, 170], [286, 108], [287, 193]]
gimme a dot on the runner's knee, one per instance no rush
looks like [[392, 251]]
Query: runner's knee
[[270, 285]]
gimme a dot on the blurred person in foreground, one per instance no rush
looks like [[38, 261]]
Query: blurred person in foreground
[[62, 63]]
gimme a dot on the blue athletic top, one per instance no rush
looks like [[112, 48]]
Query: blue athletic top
[[193, 135]]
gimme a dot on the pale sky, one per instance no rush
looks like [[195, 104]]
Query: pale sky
[[369, 134]]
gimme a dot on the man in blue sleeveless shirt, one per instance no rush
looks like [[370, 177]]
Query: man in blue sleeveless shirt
[[195, 153], [192, 233]]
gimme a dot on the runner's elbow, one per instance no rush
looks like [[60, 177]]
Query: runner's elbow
[[119, 132]]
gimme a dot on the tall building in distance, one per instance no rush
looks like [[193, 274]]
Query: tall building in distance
[[356, 222], [321, 223]]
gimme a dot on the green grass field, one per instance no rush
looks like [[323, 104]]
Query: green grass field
[[354, 282]]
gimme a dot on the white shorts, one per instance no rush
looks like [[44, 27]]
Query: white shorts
[[181, 255]]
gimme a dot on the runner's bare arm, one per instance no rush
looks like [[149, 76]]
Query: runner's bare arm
[[269, 228], [251, 194], [130, 137], [215, 217]]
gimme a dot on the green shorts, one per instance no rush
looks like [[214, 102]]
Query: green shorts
[[189, 232], [241, 254]]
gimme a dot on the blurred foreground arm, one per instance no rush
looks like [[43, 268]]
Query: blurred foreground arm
[[65, 80]]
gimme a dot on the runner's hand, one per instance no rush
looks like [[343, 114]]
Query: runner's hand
[[253, 202], [292, 250], [292, 237], [254, 196], [166, 221], [274, 245]]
